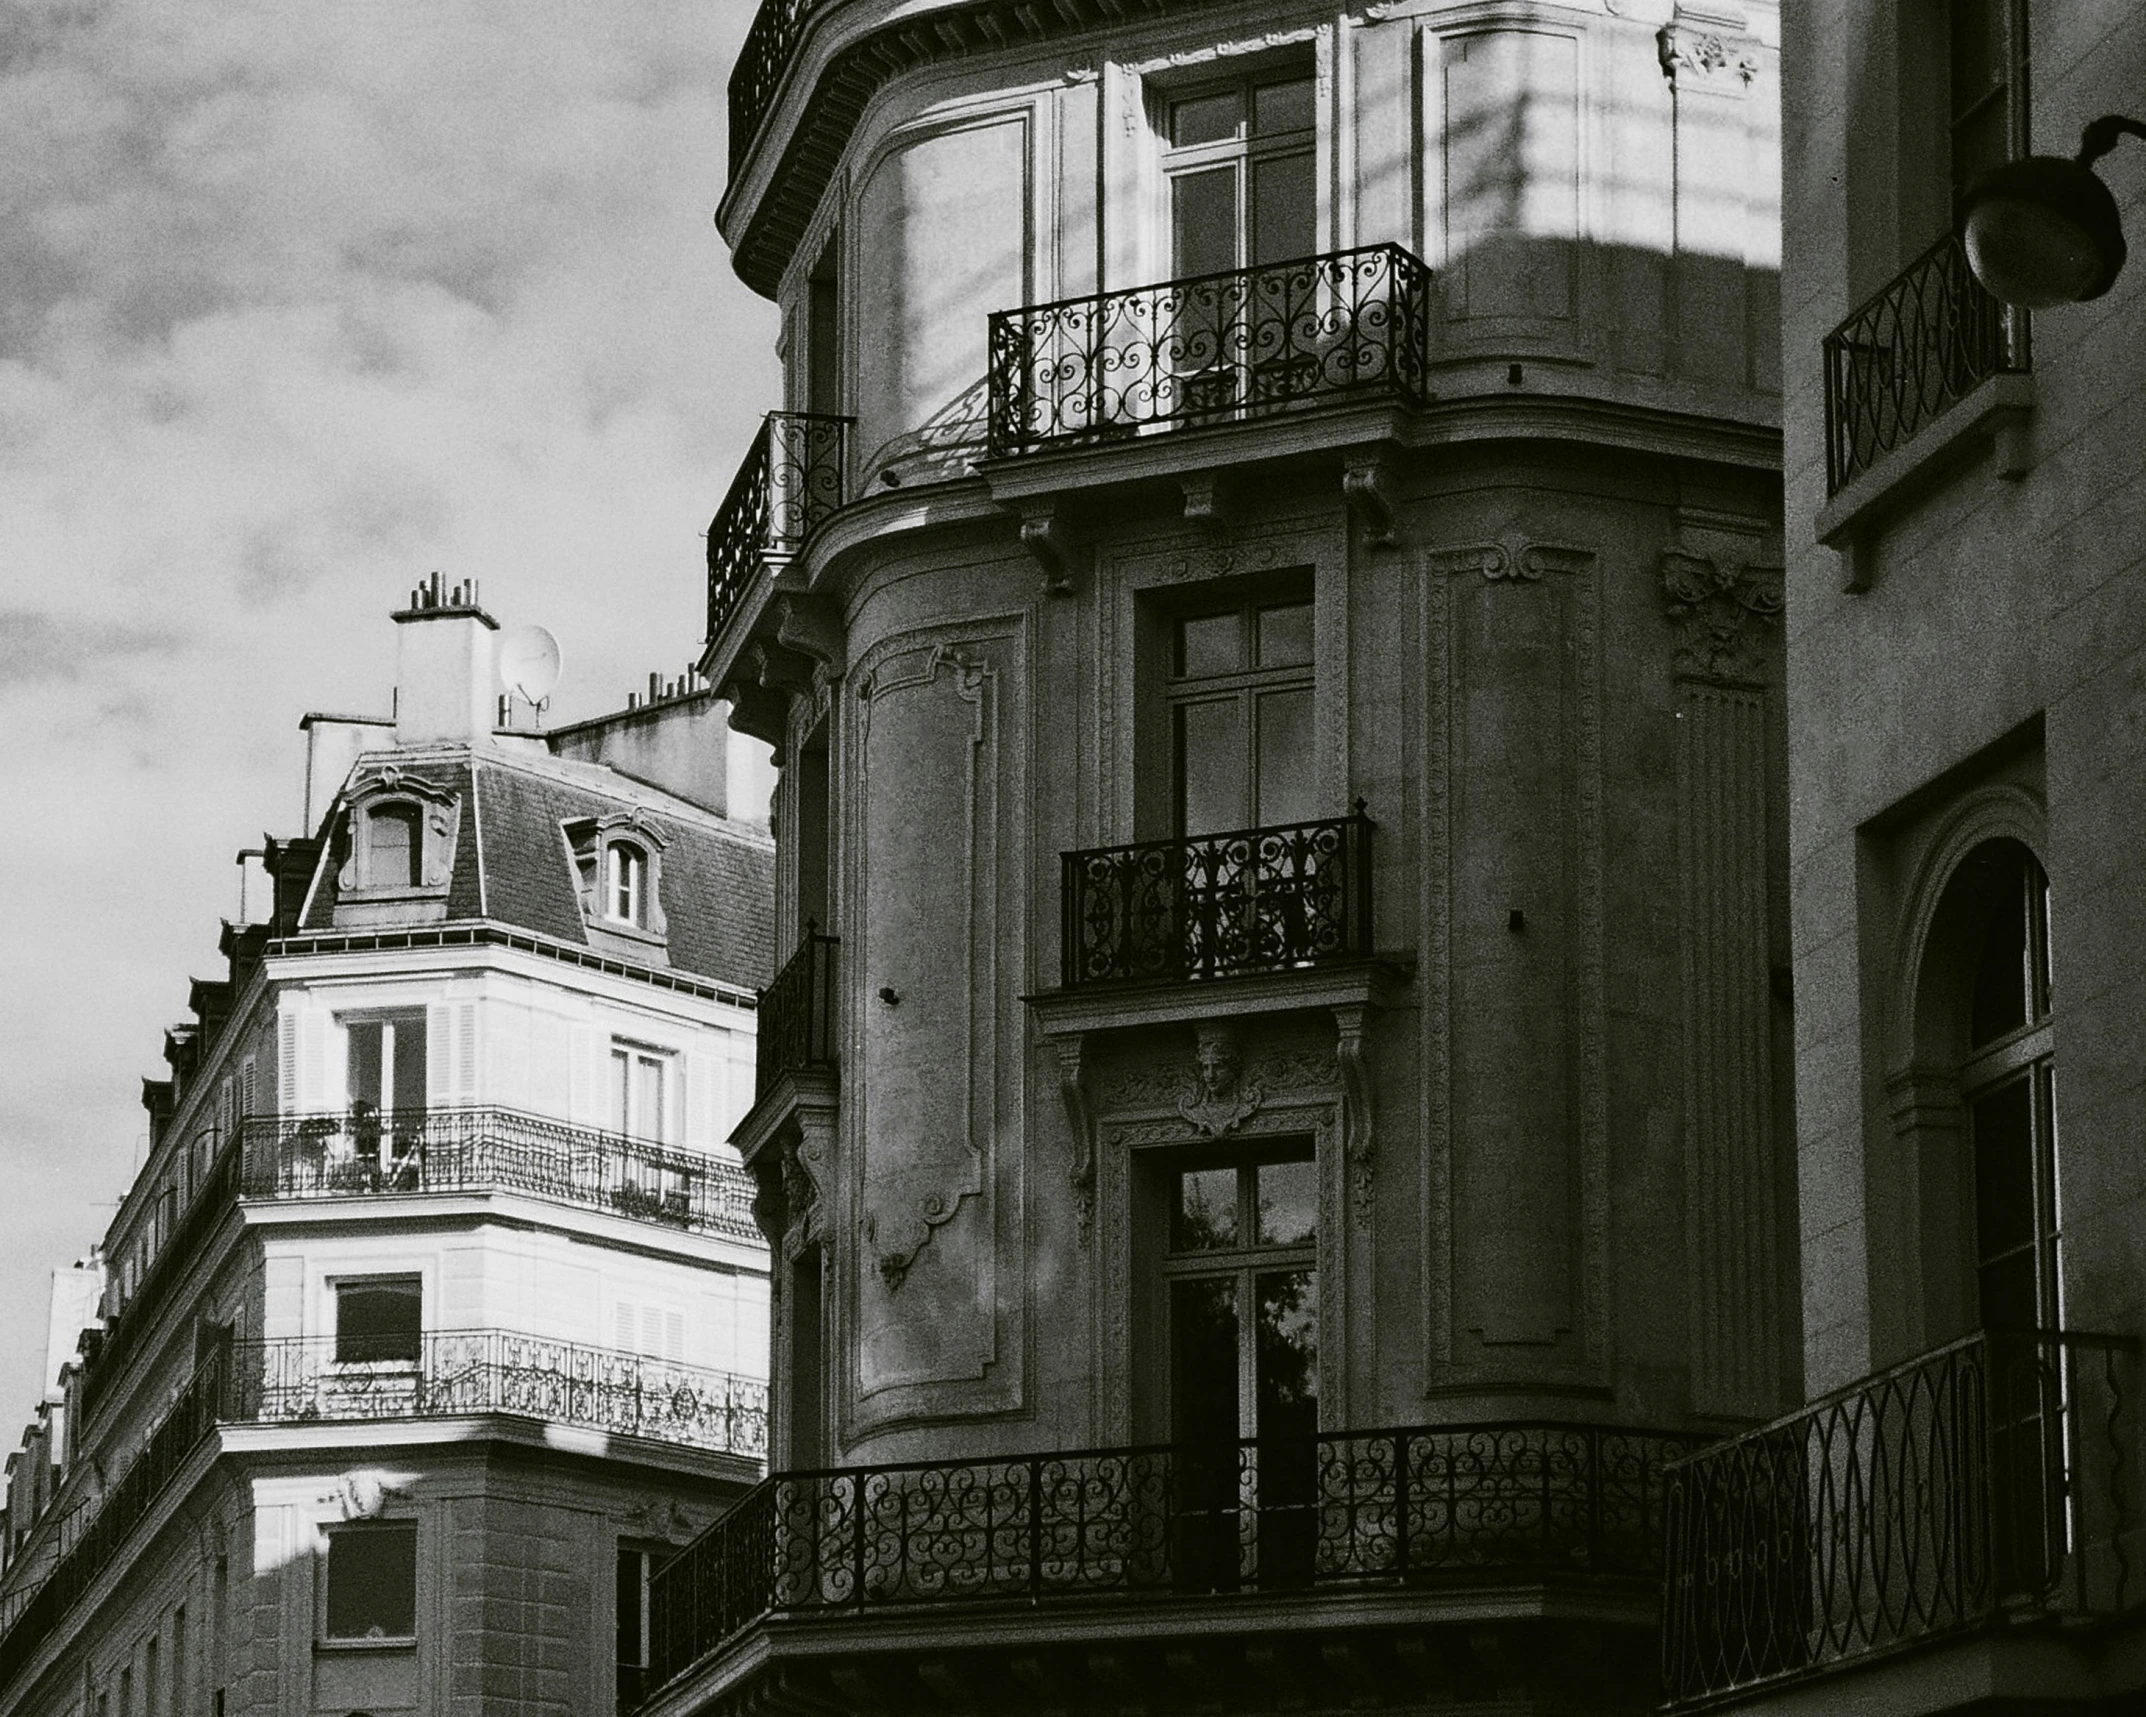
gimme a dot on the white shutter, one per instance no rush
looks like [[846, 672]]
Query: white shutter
[[674, 1337], [700, 1102], [439, 1038], [625, 1324], [246, 1094], [318, 1082], [465, 1052], [287, 1065]]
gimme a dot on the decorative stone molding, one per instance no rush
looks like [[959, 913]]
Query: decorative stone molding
[[1510, 560], [1208, 502], [1218, 1100], [1080, 1120], [1692, 54], [809, 626], [363, 1493], [1359, 1143], [1049, 540], [758, 712], [438, 819], [1723, 611]]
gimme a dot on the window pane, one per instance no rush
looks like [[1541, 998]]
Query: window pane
[[1288, 1203], [1206, 1211], [372, 1582], [1285, 636], [1206, 118], [1285, 770], [2001, 974], [2003, 1122], [1284, 208], [1203, 1360], [1977, 50], [363, 1070], [648, 1096], [1282, 107], [2006, 1291], [378, 1321], [1288, 1354], [621, 1091], [1210, 644], [392, 835], [1210, 767], [408, 1095], [1204, 221]]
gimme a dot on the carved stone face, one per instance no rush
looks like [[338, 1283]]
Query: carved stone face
[[1216, 1058]]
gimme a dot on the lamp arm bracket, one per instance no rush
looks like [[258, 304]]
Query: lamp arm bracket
[[2101, 135]]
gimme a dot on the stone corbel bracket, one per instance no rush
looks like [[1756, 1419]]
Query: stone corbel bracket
[[808, 626], [1367, 487], [1050, 540], [1359, 1139], [758, 711], [1080, 1125], [1208, 501]]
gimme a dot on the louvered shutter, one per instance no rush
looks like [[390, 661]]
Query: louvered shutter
[[700, 1102], [439, 1042], [287, 1065], [465, 1085]]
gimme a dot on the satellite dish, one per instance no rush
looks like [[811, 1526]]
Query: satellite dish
[[529, 664]]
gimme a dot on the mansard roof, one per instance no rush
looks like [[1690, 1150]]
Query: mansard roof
[[508, 817]]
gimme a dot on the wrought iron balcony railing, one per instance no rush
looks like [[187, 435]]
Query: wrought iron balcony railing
[[790, 482], [461, 1373], [440, 1374], [763, 60], [795, 1018], [1344, 1510], [401, 1152], [1216, 348], [1929, 339], [1254, 900], [1981, 1482]]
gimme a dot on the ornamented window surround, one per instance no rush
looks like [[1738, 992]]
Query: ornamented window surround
[[438, 820], [589, 843]]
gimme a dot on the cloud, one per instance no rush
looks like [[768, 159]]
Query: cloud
[[304, 302]]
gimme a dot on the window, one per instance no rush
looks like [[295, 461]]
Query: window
[[1240, 695], [371, 1582], [626, 882], [638, 1078], [654, 1330], [1238, 158], [384, 1075], [379, 1320], [1241, 1279], [634, 1566], [1986, 117], [395, 846]]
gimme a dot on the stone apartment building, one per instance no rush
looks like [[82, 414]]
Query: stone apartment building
[[1954, 1521], [436, 1314], [1274, 1124]]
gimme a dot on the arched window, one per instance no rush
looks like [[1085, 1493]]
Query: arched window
[[626, 883], [394, 847], [2008, 1085]]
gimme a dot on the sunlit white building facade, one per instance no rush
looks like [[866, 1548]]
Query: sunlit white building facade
[[436, 1313]]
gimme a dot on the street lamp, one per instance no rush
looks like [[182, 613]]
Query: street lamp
[[2043, 230]]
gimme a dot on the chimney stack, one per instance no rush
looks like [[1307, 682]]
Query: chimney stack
[[446, 683]]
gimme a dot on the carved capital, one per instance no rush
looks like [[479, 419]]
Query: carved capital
[[1367, 487], [1693, 55], [1723, 611]]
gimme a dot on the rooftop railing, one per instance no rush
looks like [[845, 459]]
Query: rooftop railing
[[387, 1153], [1207, 906], [795, 1021], [790, 481], [1982, 1483], [1215, 348], [1450, 1505], [763, 61], [1929, 339]]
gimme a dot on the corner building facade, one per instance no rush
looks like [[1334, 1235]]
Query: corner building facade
[[1273, 1127]]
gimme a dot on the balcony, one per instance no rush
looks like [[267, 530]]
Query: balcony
[[444, 1374], [763, 61], [1252, 900], [791, 480], [395, 1153], [1919, 347], [1217, 348], [1438, 1507], [796, 1026], [1979, 1487]]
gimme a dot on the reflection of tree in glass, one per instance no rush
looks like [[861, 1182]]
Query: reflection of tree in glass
[[1288, 1347], [1206, 1210]]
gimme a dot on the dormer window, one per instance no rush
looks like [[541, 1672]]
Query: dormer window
[[394, 846], [618, 874], [626, 884]]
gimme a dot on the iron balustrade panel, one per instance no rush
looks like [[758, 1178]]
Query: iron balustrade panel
[[463, 1373], [1212, 349], [388, 1153], [790, 482], [193, 1413], [1929, 339], [763, 61], [794, 1021], [1254, 900], [1983, 1481], [1339, 1510]]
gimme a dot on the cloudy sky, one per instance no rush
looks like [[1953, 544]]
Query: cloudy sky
[[298, 303]]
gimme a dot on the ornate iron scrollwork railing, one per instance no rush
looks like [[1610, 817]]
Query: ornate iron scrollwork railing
[[457, 1373], [1983, 1481], [1434, 1505], [763, 61], [796, 1013], [790, 481], [1212, 349], [401, 1152], [1255, 900], [1929, 339]]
